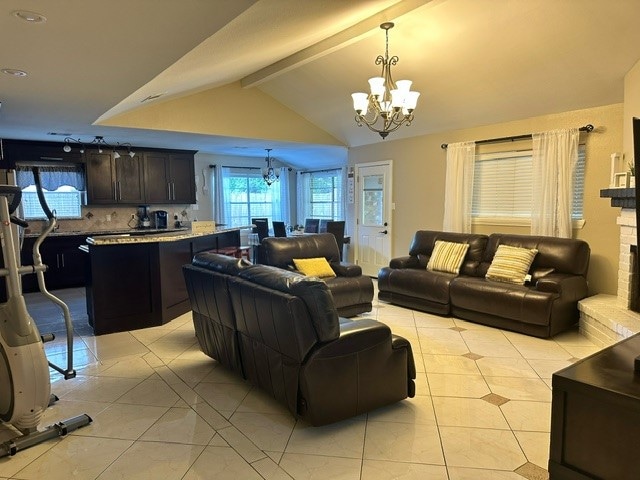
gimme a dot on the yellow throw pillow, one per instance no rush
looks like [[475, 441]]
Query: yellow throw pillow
[[314, 267], [447, 256], [511, 264]]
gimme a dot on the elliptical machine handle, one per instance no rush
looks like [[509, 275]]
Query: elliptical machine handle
[[18, 221], [41, 199]]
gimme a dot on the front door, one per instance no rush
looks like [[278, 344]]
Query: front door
[[373, 248]]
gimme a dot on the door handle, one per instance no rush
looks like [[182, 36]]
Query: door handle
[[384, 231]]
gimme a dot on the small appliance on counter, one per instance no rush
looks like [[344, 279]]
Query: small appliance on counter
[[160, 218], [143, 217]]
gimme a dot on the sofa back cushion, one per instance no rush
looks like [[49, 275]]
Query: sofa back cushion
[[563, 255], [220, 263], [315, 297], [280, 251], [424, 242]]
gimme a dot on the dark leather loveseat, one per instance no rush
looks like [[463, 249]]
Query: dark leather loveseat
[[352, 292], [281, 331], [542, 307]]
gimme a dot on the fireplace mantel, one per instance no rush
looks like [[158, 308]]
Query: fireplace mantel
[[620, 197]]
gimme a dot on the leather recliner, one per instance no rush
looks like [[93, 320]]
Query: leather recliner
[[352, 291], [285, 335], [543, 307]]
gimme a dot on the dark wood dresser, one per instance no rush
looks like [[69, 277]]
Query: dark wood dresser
[[595, 416]]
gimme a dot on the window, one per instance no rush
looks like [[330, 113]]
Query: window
[[320, 195], [502, 187], [63, 187], [246, 196]]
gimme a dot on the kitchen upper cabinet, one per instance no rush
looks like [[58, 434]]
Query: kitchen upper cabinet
[[12, 151], [169, 177], [114, 180]]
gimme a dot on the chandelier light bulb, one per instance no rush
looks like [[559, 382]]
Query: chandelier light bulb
[[360, 102], [66, 148]]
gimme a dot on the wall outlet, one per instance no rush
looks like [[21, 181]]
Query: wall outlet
[[108, 218]]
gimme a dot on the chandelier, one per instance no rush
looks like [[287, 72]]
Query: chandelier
[[100, 142], [269, 173], [390, 104]]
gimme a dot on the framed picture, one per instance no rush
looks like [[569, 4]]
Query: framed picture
[[621, 180]]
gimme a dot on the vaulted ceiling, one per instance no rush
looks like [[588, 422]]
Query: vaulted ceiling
[[235, 77]]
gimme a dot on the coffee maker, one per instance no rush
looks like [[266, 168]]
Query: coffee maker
[[143, 217], [160, 217]]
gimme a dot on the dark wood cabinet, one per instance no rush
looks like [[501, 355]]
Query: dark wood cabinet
[[151, 176], [113, 180], [169, 177], [66, 263], [13, 151], [138, 285], [595, 414]]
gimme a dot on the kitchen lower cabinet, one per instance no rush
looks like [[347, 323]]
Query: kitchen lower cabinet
[[65, 262], [138, 285]]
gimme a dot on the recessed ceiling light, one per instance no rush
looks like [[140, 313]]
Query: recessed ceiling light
[[152, 97], [31, 17], [14, 72]]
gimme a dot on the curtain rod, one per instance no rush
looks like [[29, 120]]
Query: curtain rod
[[586, 128], [321, 171], [242, 168]]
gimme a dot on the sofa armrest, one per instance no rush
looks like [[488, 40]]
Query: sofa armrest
[[343, 269], [571, 287], [355, 335], [405, 262]]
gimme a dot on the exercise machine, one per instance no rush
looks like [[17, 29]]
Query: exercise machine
[[25, 385]]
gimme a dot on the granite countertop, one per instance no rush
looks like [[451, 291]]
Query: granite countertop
[[93, 233], [151, 237]]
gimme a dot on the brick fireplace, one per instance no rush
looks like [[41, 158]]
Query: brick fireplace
[[606, 319]]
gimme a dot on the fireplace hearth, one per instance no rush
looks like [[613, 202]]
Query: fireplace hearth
[[606, 319]]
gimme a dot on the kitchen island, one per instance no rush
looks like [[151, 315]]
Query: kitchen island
[[136, 281]]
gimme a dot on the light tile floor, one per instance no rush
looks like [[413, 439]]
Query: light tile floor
[[162, 409]]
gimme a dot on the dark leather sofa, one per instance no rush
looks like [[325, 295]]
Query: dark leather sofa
[[543, 307], [352, 292], [281, 331]]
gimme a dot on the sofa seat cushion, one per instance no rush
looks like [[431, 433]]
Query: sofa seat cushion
[[419, 283], [519, 303]]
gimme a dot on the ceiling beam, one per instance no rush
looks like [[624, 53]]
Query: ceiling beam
[[333, 43]]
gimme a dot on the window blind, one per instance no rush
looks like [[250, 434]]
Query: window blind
[[502, 187]]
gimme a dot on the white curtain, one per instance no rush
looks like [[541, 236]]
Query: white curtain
[[459, 187], [555, 155], [285, 194], [303, 197], [218, 196]]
